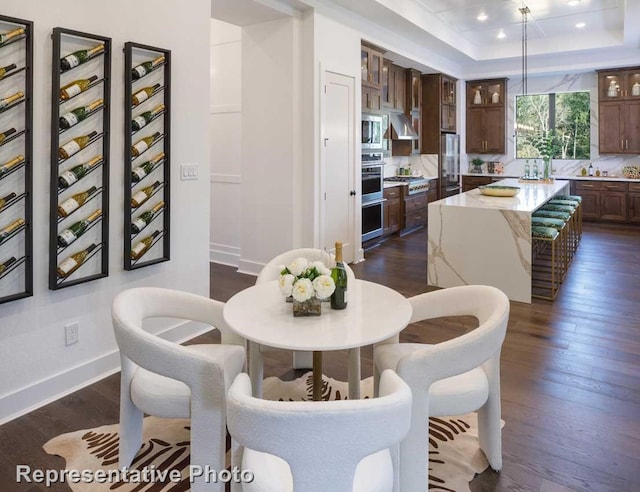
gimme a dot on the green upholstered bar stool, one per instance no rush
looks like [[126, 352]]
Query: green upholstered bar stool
[[571, 210], [559, 225], [544, 270], [578, 200], [564, 216]]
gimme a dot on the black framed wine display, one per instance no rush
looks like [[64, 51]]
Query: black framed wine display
[[16, 163], [80, 102], [147, 155]]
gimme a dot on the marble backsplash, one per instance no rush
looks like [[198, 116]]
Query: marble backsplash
[[423, 164]]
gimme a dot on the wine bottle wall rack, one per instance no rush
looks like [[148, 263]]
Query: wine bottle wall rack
[[156, 78], [16, 246], [83, 59]]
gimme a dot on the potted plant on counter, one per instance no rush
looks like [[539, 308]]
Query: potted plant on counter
[[477, 165]]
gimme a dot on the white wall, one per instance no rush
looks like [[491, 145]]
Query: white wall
[[35, 364], [226, 142]]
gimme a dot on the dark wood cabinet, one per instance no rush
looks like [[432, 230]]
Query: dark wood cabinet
[[486, 116], [432, 192], [393, 87], [602, 200], [633, 200], [371, 99], [371, 66], [619, 111], [392, 212], [415, 212], [438, 110], [414, 90], [472, 182]]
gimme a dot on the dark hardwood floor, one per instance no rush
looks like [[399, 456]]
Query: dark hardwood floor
[[570, 372]]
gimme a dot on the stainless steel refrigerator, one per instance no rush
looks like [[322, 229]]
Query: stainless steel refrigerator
[[449, 164]]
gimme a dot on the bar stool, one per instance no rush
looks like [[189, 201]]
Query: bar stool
[[559, 225], [576, 218], [543, 236], [571, 210], [578, 200]]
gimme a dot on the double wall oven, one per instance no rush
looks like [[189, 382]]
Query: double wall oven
[[372, 196]]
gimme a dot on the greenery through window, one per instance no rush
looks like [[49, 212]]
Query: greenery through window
[[565, 115]]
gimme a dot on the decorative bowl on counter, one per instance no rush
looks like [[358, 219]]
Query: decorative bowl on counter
[[631, 172], [496, 190]]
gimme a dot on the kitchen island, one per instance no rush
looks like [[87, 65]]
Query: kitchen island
[[478, 239]]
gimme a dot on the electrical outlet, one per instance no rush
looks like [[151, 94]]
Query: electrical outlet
[[188, 172], [72, 333]]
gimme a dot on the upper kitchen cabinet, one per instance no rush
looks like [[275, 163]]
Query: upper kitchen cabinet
[[619, 111], [371, 66], [371, 99], [438, 110], [486, 116], [393, 86], [414, 90]]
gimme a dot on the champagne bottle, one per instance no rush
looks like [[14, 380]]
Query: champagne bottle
[[8, 100], [75, 116], [74, 202], [6, 133], [143, 94], [142, 246], [144, 194], [339, 276], [7, 36], [71, 264], [144, 118], [72, 175], [5, 70], [146, 167], [4, 266], [6, 232], [144, 68], [76, 87], [11, 164], [79, 57], [66, 237], [141, 222], [143, 144], [6, 199], [75, 145]]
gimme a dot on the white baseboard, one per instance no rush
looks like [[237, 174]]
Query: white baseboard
[[223, 254], [48, 390], [250, 267]]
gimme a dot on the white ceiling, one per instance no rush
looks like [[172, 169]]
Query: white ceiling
[[452, 29]]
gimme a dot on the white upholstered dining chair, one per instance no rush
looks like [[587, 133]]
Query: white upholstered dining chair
[[343, 445], [452, 377], [271, 271], [168, 380]]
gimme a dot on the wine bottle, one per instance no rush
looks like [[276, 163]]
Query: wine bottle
[[11, 164], [4, 266], [75, 145], [5, 70], [71, 264], [143, 144], [79, 57], [144, 118], [6, 133], [142, 246], [339, 276], [141, 222], [146, 167], [7, 36], [143, 94], [72, 175], [8, 100], [69, 235], [7, 231], [6, 199], [144, 194], [74, 202], [76, 87], [75, 116], [144, 68]]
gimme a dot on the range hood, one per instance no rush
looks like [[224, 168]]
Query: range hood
[[400, 128]]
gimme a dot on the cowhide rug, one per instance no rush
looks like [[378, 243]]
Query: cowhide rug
[[454, 454]]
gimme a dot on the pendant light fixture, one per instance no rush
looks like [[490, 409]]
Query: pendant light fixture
[[525, 12]]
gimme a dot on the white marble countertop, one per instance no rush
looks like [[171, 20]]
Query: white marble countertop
[[531, 196], [570, 177]]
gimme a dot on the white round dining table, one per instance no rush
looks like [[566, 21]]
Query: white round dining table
[[374, 313]]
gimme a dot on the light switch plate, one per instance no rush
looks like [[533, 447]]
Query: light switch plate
[[188, 171]]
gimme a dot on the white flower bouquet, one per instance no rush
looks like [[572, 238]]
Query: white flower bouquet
[[304, 280]]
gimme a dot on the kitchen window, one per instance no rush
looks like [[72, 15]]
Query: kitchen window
[[567, 114]]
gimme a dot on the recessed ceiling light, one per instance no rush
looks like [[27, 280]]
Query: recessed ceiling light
[[501, 35], [482, 17], [580, 25], [573, 3]]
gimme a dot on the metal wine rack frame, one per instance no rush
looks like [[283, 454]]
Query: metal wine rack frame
[[23, 171], [152, 256], [58, 136]]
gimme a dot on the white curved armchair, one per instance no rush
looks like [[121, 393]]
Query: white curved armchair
[[339, 445], [165, 379], [271, 271], [453, 377]]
